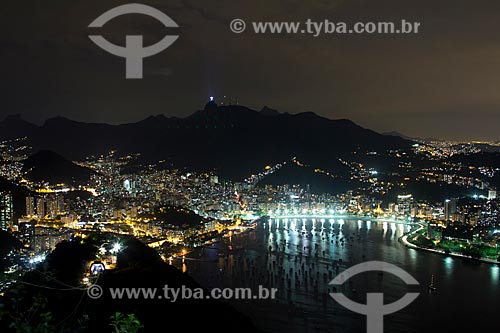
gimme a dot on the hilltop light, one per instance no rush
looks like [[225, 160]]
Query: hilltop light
[[211, 98]]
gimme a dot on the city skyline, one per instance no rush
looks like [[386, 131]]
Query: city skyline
[[437, 219], [250, 166]]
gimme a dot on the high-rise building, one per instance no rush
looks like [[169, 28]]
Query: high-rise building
[[26, 231], [214, 180], [492, 195], [405, 203], [6, 211], [40, 207], [127, 185], [30, 206], [51, 207], [60, 203], [450, 208]]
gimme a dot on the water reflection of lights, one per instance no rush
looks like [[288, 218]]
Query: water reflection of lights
[[448, 266], [286, 237], [495, 273], [278, 238], [413, 255]]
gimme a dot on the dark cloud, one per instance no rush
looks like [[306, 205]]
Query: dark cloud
[[442, 82]]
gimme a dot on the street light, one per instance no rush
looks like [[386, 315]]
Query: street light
[[116, 248]]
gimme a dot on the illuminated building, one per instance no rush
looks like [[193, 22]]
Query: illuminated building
[[492, 195], [40, 207], [6, 211], [30, 206], [450, 208], [127, 185], [404, 204], [26, 231]]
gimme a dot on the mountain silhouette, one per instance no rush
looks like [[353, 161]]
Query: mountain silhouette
[[316, 179], [51, 167], [235, 141]]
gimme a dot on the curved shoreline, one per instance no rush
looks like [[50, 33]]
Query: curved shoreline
[[404, 241]]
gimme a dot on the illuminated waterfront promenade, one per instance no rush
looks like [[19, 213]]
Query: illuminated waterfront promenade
[[402, 220]]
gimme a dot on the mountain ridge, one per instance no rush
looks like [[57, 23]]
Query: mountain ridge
[[48, 166], [233, 140]]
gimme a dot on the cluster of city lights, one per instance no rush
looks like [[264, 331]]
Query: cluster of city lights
[[37, 259]]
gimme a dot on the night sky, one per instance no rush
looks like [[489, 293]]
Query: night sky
[[443, 82]]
